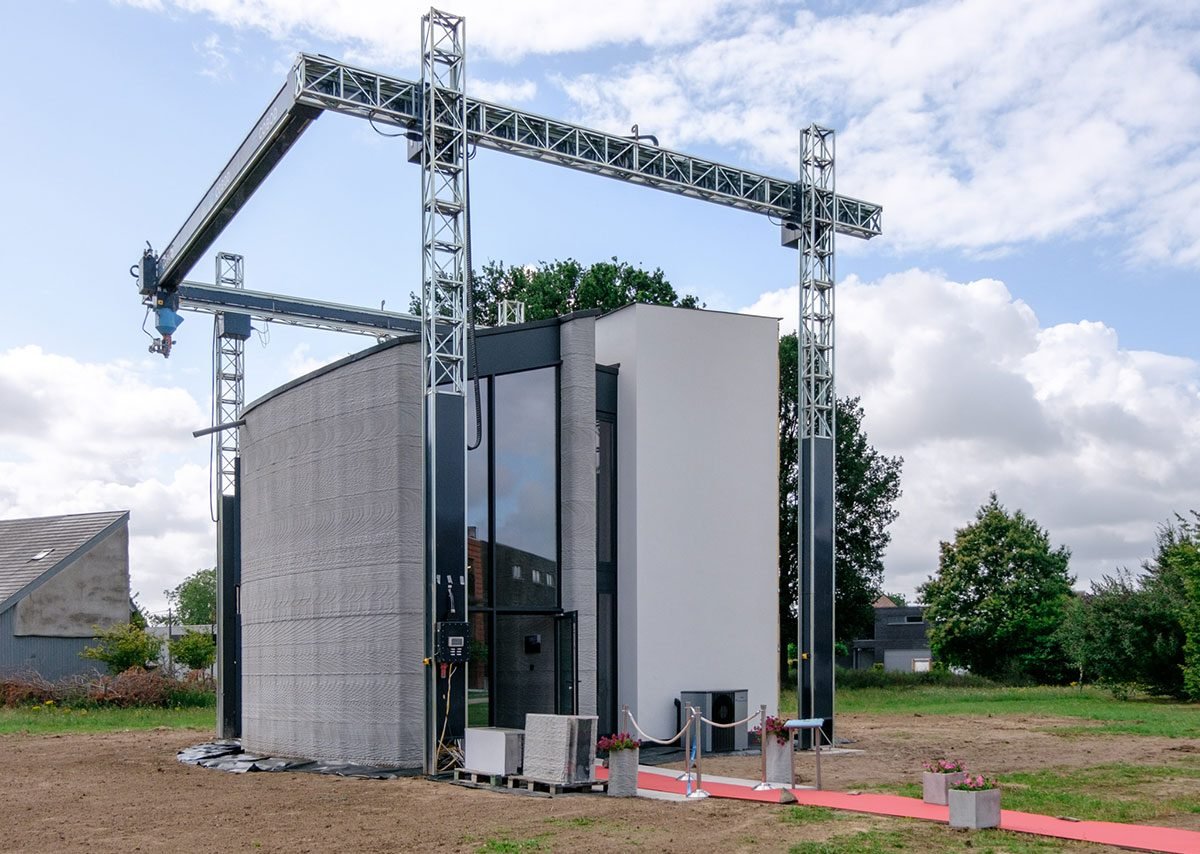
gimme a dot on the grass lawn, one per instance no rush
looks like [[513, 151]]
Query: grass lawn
[[1096, 710], [51, 719]]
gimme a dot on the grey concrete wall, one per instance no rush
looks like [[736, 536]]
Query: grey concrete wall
[[577, 442], [332, 573], [93, 591]]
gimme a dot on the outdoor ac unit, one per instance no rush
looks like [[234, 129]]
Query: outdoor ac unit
[[723, 707], [560, 748]]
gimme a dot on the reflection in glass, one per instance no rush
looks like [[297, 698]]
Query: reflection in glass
[[478, 570], [526, 488]]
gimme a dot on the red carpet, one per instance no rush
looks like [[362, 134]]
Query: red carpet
[[1140, 836]]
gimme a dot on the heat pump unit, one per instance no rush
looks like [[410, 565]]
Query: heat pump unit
[[723, 707], [560, 748]]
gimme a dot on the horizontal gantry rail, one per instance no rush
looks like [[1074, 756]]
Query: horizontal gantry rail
[[297, 311], [333, 85], [317, 83]]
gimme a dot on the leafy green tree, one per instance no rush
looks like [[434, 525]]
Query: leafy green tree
[[196, 650], [999, 597], [1176, 571], [123, 646], [194, 600], [899, 598], [554, 288], [867, 487]]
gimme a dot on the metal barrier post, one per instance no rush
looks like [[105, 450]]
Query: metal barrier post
[[698, 741], [688, 735], [762, 744], [817, 752], [625, 720]]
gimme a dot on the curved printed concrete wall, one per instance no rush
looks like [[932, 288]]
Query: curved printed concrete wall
[[331, 597]]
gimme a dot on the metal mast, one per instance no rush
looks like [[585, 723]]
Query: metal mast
[[816, 426], [443, 358], [229, 387]]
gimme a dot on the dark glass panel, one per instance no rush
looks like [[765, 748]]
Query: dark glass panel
[[478, 570], [526, 489]]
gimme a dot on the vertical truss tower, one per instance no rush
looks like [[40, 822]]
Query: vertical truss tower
[[816, 426], [444, 258], [229, 387]]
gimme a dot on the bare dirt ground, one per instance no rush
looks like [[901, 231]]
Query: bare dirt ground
[[126, 792]]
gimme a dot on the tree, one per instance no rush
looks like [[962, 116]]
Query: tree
[[867, 487], [123, 646], [998, 598], [196, 650], [194, 600], [1175, 576], [561, 287]]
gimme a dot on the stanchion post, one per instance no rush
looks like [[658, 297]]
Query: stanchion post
[[687, 746], [699, 748], [762, 741], [625, 719]]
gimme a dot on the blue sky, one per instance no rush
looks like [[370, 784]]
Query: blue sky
[[1025, 324]]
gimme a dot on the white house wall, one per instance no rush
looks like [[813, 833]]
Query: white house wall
[[697, 481]]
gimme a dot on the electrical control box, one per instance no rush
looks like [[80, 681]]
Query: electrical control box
[[453, 642], [231, 324], [147, 268]]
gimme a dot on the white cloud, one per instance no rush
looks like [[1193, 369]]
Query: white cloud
[[977, 125], [215, 57], [82, 437], [504, 91], [386, 31], [1097, 443]]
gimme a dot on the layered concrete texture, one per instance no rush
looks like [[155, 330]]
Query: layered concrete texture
[[697, 482], [332, 595], [560, 748]]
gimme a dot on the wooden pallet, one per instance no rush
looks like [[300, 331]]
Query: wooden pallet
[[478, 778], [530, 785]]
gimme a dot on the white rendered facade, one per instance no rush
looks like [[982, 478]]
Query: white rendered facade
[[697, 479]]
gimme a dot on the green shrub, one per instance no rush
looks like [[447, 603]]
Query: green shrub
[[133, 688], [123, 646], [195, 650], [877, 677]]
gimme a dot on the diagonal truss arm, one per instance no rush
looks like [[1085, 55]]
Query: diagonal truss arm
[[317, 83]]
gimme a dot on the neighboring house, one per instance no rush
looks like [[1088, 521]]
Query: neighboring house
[[622, 533], [60, 577], [901, 639]]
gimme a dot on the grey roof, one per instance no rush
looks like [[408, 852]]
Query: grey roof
[[60, 539]]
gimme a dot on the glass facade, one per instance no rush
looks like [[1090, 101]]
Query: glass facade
[[513, 547]]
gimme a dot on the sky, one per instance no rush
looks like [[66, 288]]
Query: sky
[[1023, 326]]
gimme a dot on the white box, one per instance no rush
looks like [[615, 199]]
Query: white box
[[560, 748], [494, 750]]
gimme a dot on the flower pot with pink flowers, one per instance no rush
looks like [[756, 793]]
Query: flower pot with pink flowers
[[776, 748], [975, 802], [940, 775], [623, 752]]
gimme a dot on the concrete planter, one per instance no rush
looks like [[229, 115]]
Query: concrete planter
[[779, 765], [934, 786], [975, 809], [623, 773]]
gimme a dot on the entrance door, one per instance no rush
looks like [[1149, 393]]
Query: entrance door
[[566, 630]]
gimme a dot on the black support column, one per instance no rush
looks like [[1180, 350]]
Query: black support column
[[229, 620], [816, 570]]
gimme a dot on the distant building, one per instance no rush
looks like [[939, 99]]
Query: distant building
[[60, 577], [900, 642]]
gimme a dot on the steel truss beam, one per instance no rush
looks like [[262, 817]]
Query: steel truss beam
[[318, 83], [333, 85], [297, 311]]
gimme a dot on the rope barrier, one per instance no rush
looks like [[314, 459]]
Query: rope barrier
[[727, 726], [642, 733]]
